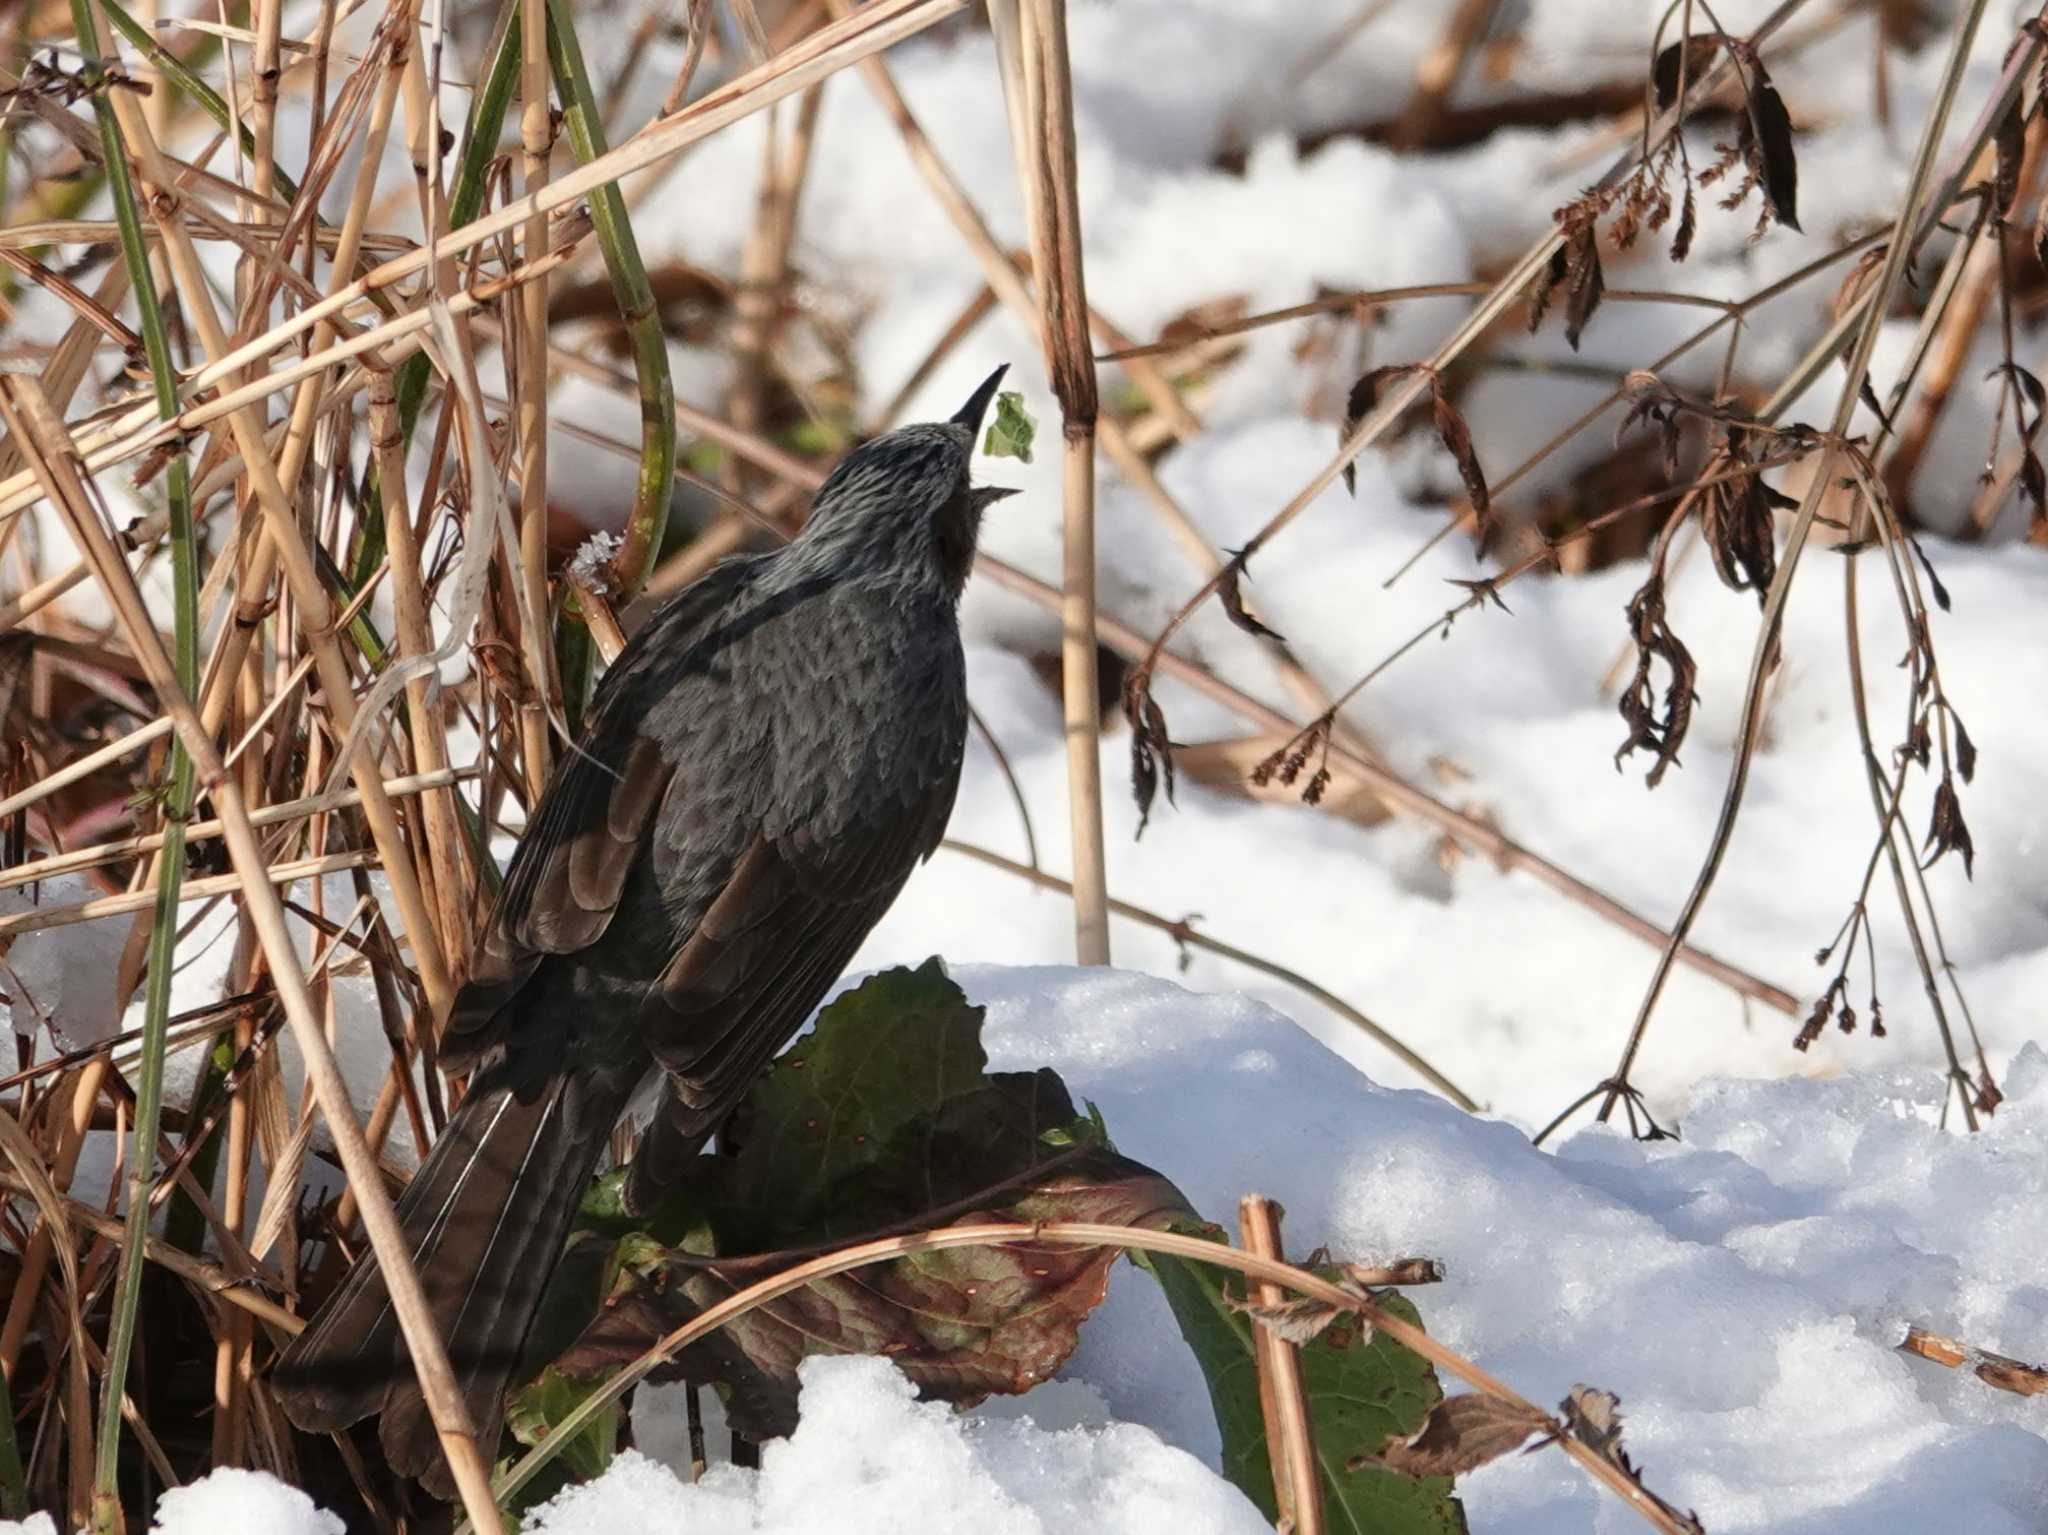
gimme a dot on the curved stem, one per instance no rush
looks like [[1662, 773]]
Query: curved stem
[[1915, 213]]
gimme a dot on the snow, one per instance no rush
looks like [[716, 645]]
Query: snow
[[1743, 1290], [62, 979], [233, 1499], [880, 1462], [227, 1499]]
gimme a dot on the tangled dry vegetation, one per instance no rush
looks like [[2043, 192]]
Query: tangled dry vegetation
[[202, 710]]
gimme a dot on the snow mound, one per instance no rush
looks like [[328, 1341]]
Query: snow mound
[[232, 1499], [868, 1459], [1743, 1290]]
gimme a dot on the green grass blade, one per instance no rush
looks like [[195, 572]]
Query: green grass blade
[[177, 805], [649, 519]]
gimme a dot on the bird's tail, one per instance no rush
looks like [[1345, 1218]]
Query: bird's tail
[[485, 1220]]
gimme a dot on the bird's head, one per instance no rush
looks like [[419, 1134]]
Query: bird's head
[[906, 496]]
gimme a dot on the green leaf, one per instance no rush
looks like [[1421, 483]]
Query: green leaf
[[605, 1199], [824, 1119], [1010, 434], [544, 1402], [1363, 1390], [883, 1116]]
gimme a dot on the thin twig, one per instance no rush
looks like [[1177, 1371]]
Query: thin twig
[[1921, 203], [1185, 932]]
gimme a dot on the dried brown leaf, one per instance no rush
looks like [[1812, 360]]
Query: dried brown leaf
[[1737, 519], [1988, 1100], [1593, 1418], [1365, 394], [1233, 599], [1461, 1434], [1151, 746], [1662, 733], [1948, 832], [1767, 145], [1697, 55], [1457, 440], [1292, 1321], [1941, 597], [1688, 224], [1553, 273], [1584, 282], [2010, 142]]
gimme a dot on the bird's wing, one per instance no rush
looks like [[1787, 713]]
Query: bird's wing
[[765, 952], [587, 833]]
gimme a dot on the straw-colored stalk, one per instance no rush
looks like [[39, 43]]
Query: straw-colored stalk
[[62, 1316], [287, 546], [1051, 195], [82, 1090], [427, 729], [55, 464], [135, 430], [1283, 1403]]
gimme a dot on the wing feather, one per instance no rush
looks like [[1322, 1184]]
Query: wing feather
[[587, 833]]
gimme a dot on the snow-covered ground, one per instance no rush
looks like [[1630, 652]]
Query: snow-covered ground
[[1743, 1291]]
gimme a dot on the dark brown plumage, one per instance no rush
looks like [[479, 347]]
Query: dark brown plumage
[[767, 761]]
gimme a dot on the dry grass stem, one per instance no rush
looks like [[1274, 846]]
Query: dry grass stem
[[35, 427], [1044, 83], [1290, 1436]]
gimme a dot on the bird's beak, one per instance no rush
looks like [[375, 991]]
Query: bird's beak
[[970, 414], [985, 496]]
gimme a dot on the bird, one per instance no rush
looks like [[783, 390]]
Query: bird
[[761, 769]]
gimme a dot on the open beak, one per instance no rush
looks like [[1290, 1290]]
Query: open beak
[[970, 414]]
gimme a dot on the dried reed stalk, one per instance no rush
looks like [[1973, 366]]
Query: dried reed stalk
[[55, 463], [1290, 1437], [1052, 198]]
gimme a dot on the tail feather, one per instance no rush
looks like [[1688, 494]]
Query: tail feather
[[484, 1220]]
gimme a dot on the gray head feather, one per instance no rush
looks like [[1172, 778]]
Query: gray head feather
[[902, 505]]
